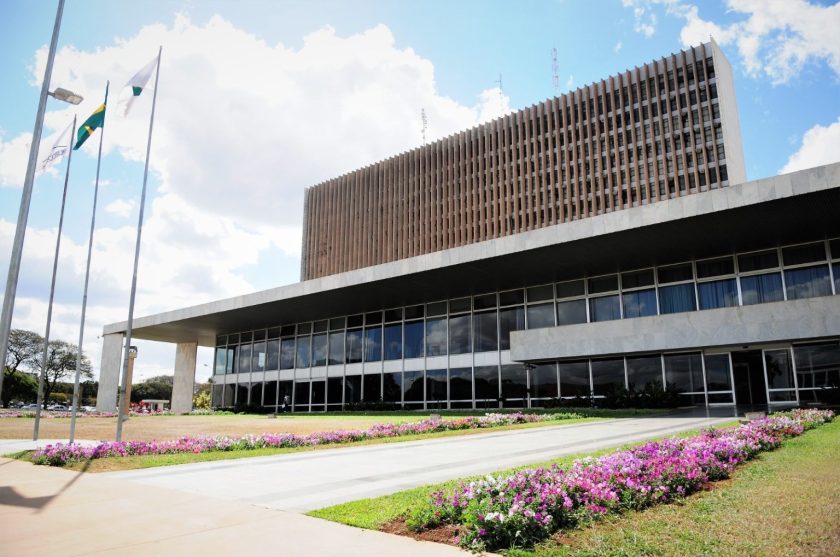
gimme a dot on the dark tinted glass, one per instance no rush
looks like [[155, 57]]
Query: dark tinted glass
[[808, 253], [319, 350], [675, 274], [274, 332], [718, 377], [643, 371], [304, 328], [355, 320], [302, 393], [353, 388], [486, 383], [413, 347], [484, 331], [272, 354], [574, 379], [605, 308], [319, 392], [392, 342], [437, 308], [570, 289], [259, 335], [413, 386], [759, 289], [459, 306], [484, 301], [373, 318], [392, 315], [717, 294], [460, 384], [372, 385], [779, 369], [511, 297], [436, 381], [684, 372], [337, 323], [435, 337], [639, 303], [817, 365], [245, 338], [335, 390], [510, 319], [759, 260], [460, 341], [270, 393], [319, 327], [540, 315], [287, 331], [637, 279], [373, 344], [258, 356], [834, 247], [603, 284], [715, 267], [607, 376], [676, 298], [414, 312], [514, 381], [540, 293], [391, 387], [544, 381]]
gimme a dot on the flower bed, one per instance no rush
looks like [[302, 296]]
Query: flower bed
[[61, 453], [523, 508]]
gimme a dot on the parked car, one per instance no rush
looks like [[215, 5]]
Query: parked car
[[58, 407], [32, 406]]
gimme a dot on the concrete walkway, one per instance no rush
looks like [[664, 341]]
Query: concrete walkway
[[50, 511], [304, 481], [11, 446]]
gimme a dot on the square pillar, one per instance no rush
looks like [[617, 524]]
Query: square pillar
[[184, 381], [110, 365]]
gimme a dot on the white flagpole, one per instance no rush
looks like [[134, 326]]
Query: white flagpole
[[25, 201], [126, 352], [75, 408], [44, 357]]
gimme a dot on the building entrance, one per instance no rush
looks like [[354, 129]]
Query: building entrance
[[748, 374]]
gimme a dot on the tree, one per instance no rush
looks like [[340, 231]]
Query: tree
[[61, 364], [151, 389], [20, 386], [23, 346]]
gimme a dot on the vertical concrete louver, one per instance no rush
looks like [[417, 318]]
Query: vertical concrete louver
[[656, 132]]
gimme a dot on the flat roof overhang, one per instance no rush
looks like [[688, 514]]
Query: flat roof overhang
[[784, 209]]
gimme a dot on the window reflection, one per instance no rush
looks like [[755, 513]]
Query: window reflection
[[717, 294], [435, 337], [760, 289], [574, 379], [807, 282], [414, 333], [484, 331], [639, 303], [510, 319], [459, 335], [605, 308], [392, 342], [373, 344], [607, 376], [319, 350]]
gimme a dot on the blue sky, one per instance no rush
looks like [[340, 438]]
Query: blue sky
[[260, 99]]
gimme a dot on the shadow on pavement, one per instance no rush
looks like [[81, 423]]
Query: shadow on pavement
[[9, 495]]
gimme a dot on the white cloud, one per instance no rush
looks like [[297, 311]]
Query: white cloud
[[242, 127], [644, 18], [120, 207], [570, 82], [13, 158], [617, 47], [820, 145], [777, 38]]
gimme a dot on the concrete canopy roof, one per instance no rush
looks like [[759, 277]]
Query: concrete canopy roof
[[794, 207]]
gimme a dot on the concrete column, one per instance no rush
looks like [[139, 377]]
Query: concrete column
[[110, 365], [182, 386]]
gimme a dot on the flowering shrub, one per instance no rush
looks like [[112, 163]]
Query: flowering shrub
[[61, 453], [528, 506]]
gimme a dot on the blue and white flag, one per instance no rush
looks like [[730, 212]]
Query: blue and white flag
[[59, 149]]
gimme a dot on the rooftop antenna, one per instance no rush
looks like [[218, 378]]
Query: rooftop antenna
[[501, 96], [555, 72], [425, 123]]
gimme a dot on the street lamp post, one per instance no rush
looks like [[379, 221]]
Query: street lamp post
[[26, 199]]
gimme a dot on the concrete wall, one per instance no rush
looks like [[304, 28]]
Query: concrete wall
[[182, 387], [729, 118], [736, 326], [109, 373]]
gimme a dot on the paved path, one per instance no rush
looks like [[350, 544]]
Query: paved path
[[305, 481], [11, 446]]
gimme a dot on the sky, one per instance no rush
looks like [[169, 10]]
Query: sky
[[258, 100]]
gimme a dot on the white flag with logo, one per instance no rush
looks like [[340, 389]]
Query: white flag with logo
[[59, 148], [135, 86]]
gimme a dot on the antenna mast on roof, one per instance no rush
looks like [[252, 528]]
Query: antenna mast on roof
[[425, 122], [555, 72]]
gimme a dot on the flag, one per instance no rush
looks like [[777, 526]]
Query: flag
[[135, 86], [60, 147], [95, 120]]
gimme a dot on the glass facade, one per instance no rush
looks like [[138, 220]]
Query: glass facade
[[269, 364]]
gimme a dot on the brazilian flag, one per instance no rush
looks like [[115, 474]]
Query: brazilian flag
[[95, 120]]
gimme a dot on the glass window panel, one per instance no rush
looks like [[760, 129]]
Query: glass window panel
[[836, 270], [808, 282], [643, 371], [284, 393], [258, 356], [218, 394], [540, 315], [485, 331], [544, 381], [511, 297], [574, 379], [603, 284], [302, 393], [259, 335], [392, 315], [304, 328], [337, 323], [460, 305], [760, 289], [607, 376], [319, 350], [414, 333], [256, 394], [676, 298], [485, 301], [436, 385], [270, 393], [244, 358], [414, 312], [336, 348], [231, 362], [233, 339], [676, 273], [756, 261], [355, 321], [834, 247], [392, 342], [459, 335], [720, 398], [320, 327], [605, 308], [808, 253], [287, 331], [353, 388], [272, 354], [287, 353], [435, 337], [245, 338], [274, 332], [639, 303], [514, 381], [460, 383], [779, 371], [242, 394], [221, 340], [373, 344], [715, 267], [540, 293], [817, 365], [718, 376], [319, 392], [229, 393], [486, 383], [717, 294], [571, 289], [782, 396], [436, 308], [219, 366], [373, 318], [510, 319], [684, 372], [355, 344], [571, 312], [335, 390], [637, 279], [413, 386], [373, 386]]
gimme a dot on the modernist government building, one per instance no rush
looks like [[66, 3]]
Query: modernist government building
[[605, 238]]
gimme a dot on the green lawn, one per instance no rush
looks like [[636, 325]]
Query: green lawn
[[784, 503]]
